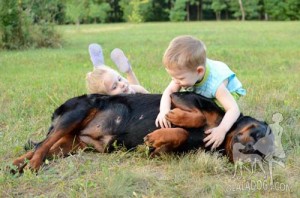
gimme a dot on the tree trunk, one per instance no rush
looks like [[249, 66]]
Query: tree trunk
[[226, 14], [242, 10], [198, 12], [188, 11], [77, 23], [266, 17], [218, 16], [200, 9]]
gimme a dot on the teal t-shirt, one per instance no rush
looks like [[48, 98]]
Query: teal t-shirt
[[215, 74]]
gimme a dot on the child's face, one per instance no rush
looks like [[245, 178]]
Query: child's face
[[116, 84], [187, 78]]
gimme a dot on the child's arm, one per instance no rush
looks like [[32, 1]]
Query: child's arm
[[217, 134], [165, 105], [139, 89], [131, 77]]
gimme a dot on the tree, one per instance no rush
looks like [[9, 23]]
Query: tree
[[242, 9], [99, 11], [206, 8], [198, 4], [22, 26], [115, 14], [157, 11], [218, 6], [74, 10], [137, 14], [44, 10], [135, 10], [14, 23], [282, 10], [293, 9], [178, 13], [249, 8]]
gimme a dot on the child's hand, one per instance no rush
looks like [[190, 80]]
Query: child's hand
[[162, 121], [215, 137]]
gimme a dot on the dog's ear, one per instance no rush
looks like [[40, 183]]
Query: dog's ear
[[203, 103]]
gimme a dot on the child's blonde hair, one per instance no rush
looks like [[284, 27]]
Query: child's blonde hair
[[94, 80], [185, 52]]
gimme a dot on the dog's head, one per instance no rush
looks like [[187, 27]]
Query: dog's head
[[183, 100], [189, 100], [254, 135]]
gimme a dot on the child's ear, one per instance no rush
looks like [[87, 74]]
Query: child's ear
[[200, 70]]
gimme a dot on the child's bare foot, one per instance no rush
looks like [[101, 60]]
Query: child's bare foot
[[119, 58], [96, 54]]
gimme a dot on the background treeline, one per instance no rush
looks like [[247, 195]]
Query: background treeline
[[29, 23], [95, 11]]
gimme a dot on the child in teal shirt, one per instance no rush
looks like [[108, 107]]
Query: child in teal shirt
[[186, 62]]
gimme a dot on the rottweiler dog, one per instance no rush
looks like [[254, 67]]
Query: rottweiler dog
[[101, 121]]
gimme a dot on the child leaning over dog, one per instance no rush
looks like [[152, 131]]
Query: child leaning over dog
[[104, 80], [186, 62]]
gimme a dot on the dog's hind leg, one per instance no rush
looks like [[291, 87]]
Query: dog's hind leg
[[69, 123], [20, 162], [66, 145]]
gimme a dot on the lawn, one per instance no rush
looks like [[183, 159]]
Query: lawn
[[264, 55]]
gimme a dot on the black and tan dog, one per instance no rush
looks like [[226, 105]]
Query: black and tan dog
[[99, 120]]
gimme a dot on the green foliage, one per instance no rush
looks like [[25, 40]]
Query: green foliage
[[99, 11], [293, 10], [87, 11], [43, 14], [18, 30], [45, 10], [178, 13], [75, 10], [45, 35], [251, 8], [135, 10], [282, 10], [22, 14], [1, 42], [15, 25], [126, 8], [218, 6], [157, 11]]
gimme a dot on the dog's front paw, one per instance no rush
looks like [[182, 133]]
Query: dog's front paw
[[190, 119], [165, 140]]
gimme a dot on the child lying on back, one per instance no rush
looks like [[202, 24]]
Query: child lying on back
[[104, 80]]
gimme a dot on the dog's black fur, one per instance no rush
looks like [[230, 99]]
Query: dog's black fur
[[129, 118], [137, 112]]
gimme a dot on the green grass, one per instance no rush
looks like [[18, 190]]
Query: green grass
[[265, 56]]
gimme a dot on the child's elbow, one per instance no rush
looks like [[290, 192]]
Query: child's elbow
[[234, 109], [237, 110]]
